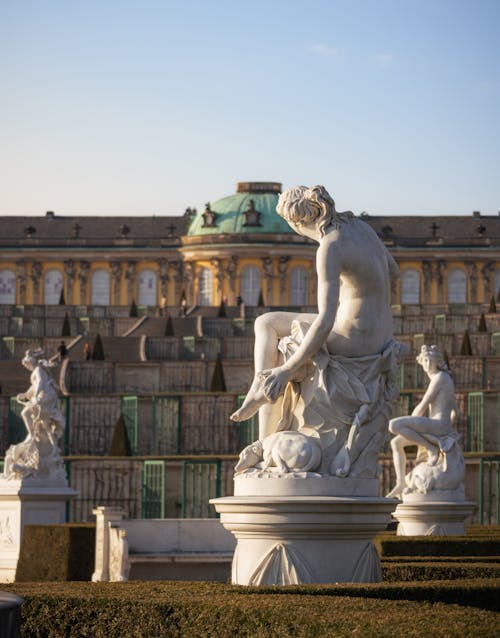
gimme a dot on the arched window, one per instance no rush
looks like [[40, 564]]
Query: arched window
[[410, 286], [457, 286], [147, 287], [100, 288], [298, 286], [251, 281], [7, 286], [205, 287], [52, 286]]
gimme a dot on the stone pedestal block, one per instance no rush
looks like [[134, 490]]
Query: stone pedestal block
[[432, 515], [27, 502], [289, 540]]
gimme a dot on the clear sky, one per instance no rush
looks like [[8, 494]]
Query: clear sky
[[147, 107]]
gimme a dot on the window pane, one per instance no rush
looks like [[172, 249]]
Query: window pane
[[7, 286], [147, 288], [250, 285], [457, 286], [100, 288], [205, 287], [410, 286], [52, 286], [298, 286]]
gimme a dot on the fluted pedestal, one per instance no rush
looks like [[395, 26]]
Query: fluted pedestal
[[286, 540], [433, 514]]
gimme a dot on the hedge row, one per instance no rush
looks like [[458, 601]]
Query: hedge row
[[437, 546], [56, 553], [171, 609], [416, 571]]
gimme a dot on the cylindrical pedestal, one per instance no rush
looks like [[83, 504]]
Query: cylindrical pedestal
[[288, 540], [420, 515]]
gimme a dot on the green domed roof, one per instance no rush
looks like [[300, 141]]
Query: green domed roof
[[251, 210]]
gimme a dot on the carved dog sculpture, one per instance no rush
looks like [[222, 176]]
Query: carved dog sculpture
[[447, 474], [288, 451]]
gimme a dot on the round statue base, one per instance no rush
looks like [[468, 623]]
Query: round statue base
[[432, 515], [291, 540]]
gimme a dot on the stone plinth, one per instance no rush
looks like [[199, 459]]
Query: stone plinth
[[288, 540], [27, 502], [434, 514]]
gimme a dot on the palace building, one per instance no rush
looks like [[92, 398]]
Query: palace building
[[236, 247]]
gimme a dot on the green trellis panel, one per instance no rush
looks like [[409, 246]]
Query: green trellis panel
[[65, 409], [440, 323], [16, 428], [188, 347], [201, 481], [495, 343], [475, 422], [9, 344], [153, 489], [167, 425], [131, 416], [245, 430]]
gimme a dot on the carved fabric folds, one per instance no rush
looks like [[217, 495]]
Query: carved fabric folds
[[331, 389]]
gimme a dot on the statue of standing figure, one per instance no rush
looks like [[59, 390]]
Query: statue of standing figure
[[331, 375], [38, 455], [440, 464]]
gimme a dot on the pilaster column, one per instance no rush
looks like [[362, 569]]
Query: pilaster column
[[21, 282], [69, 271], [83, 276]]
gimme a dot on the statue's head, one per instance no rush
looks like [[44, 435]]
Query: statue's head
[[302, 205], [431, 358], [31, 358]]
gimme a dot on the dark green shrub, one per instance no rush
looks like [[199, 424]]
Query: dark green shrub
[[133, 309], [169, 327], [62, 300], [466, 349], [66, 328], [120, 442], [493, 307], [168, 609], [437, 546], [482, 324], [56, 553], [98, 349], [261, 303], [222, 310], [218, 383]]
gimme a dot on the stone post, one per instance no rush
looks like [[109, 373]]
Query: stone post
[[104, 516]]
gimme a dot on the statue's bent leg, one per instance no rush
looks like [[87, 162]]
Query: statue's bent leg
[[269, 329], [398, 444]]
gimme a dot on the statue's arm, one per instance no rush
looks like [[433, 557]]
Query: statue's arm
[[328, 269], [37, 384], [430, 395]]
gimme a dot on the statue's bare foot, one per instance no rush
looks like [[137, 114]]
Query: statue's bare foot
[[397, 492], [253, 400]]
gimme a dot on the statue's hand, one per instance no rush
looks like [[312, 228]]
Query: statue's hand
[[275, 383]]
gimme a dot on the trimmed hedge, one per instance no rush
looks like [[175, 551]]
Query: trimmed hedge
[[437, 570], [168, 609], [437, 545], [56, 553]]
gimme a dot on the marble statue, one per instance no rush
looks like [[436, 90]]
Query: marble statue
[[331, 375], [440, 464], [38, 455]]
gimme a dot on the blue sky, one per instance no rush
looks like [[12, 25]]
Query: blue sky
[[147, 107]]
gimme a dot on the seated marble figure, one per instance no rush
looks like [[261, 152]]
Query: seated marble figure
[[331, 375], [440, 464]]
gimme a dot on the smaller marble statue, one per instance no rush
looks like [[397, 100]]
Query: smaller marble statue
[[440, 464], [38, 456]]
